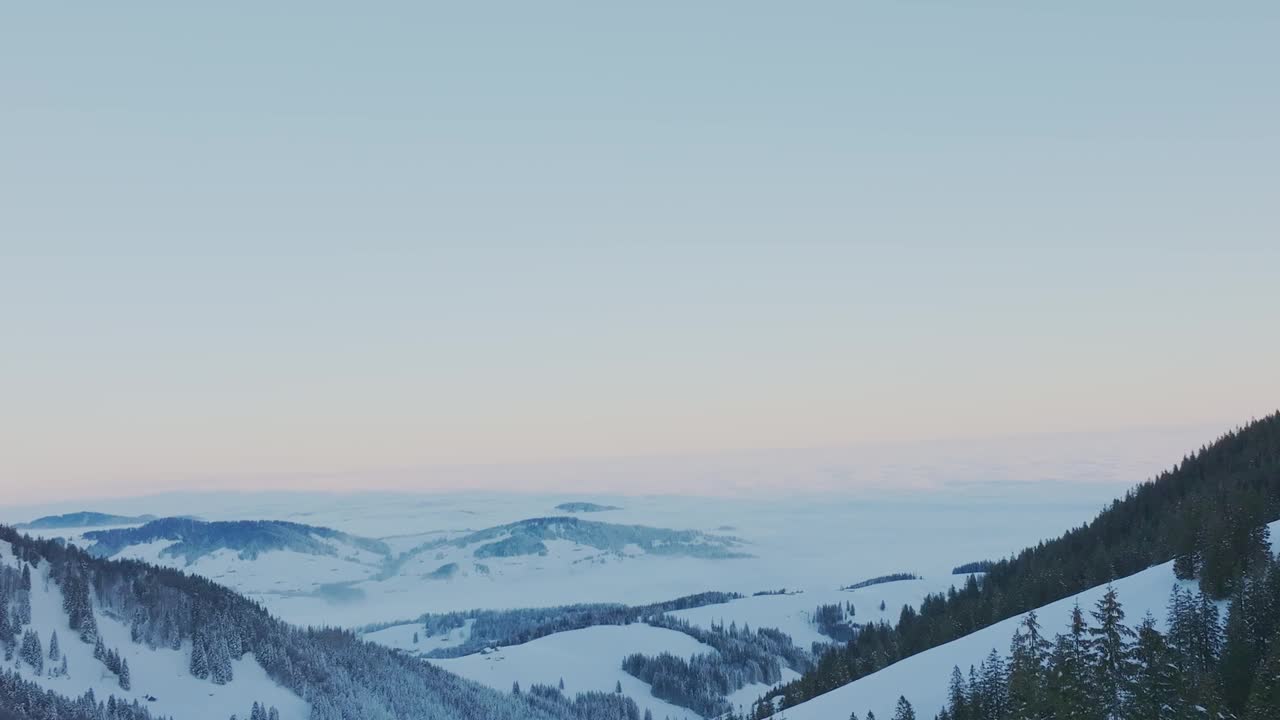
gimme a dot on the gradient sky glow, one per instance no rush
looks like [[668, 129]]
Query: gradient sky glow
[[313, 237]]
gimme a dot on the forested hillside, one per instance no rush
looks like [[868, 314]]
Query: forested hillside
[[336, 673], [192, 539], [1208, 512], [1101, 668]]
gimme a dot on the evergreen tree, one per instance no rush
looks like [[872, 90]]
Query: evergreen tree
[[55, 653], [32, 652], [1069, 680], [199, 663], [1251, 621], [1028, 653], [904, 710], [1264, 700], [8, 632], [1111, 656], [1153, 695], [958, 696], [125, 682], [993, 687]]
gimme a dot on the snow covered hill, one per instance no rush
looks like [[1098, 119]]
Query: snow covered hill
[[158, 678], [254, 557], [84, 520], [923, 678], [587, 659], [496, 550], [793, 612]]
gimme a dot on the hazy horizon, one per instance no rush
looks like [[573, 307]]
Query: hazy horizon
[[250, 242], [1106, 461]]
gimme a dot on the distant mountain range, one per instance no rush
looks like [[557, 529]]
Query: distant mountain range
[[83, 520], [194, 539], [585, 507], [530, 537]]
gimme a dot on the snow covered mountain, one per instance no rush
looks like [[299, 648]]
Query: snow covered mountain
[[83, 520], [152, 642], [923, 678], [312, 573], [499, 549], [254, 557], [1206, 519]]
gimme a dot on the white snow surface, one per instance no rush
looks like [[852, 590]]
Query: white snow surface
[[400, 637], [923, 678], [793, 613], [161, 673], [587, 659]]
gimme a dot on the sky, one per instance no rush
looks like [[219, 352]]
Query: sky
[[244, 240]]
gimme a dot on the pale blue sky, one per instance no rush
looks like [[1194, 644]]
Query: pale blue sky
[[250, 237]]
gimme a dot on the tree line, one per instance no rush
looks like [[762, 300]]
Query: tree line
[[1205, 512], [1099, 668]]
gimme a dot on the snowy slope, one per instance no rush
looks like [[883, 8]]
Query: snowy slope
[[401, 637], [587, 659], [923, 678], [161, 673], [793, 613]]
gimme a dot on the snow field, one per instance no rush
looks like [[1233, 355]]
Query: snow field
[[587, 659]]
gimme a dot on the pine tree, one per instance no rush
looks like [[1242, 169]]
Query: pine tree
[[219, 660], [1028, 653], [32, 652], [904, 710], [55, 653], [125, 682], [7, 631], [1251, 620], [515, 687], [1264, 700], [1153, 695], [993, 687], [1111, 656], [958, 696], [1069, 679], [199, 663]]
